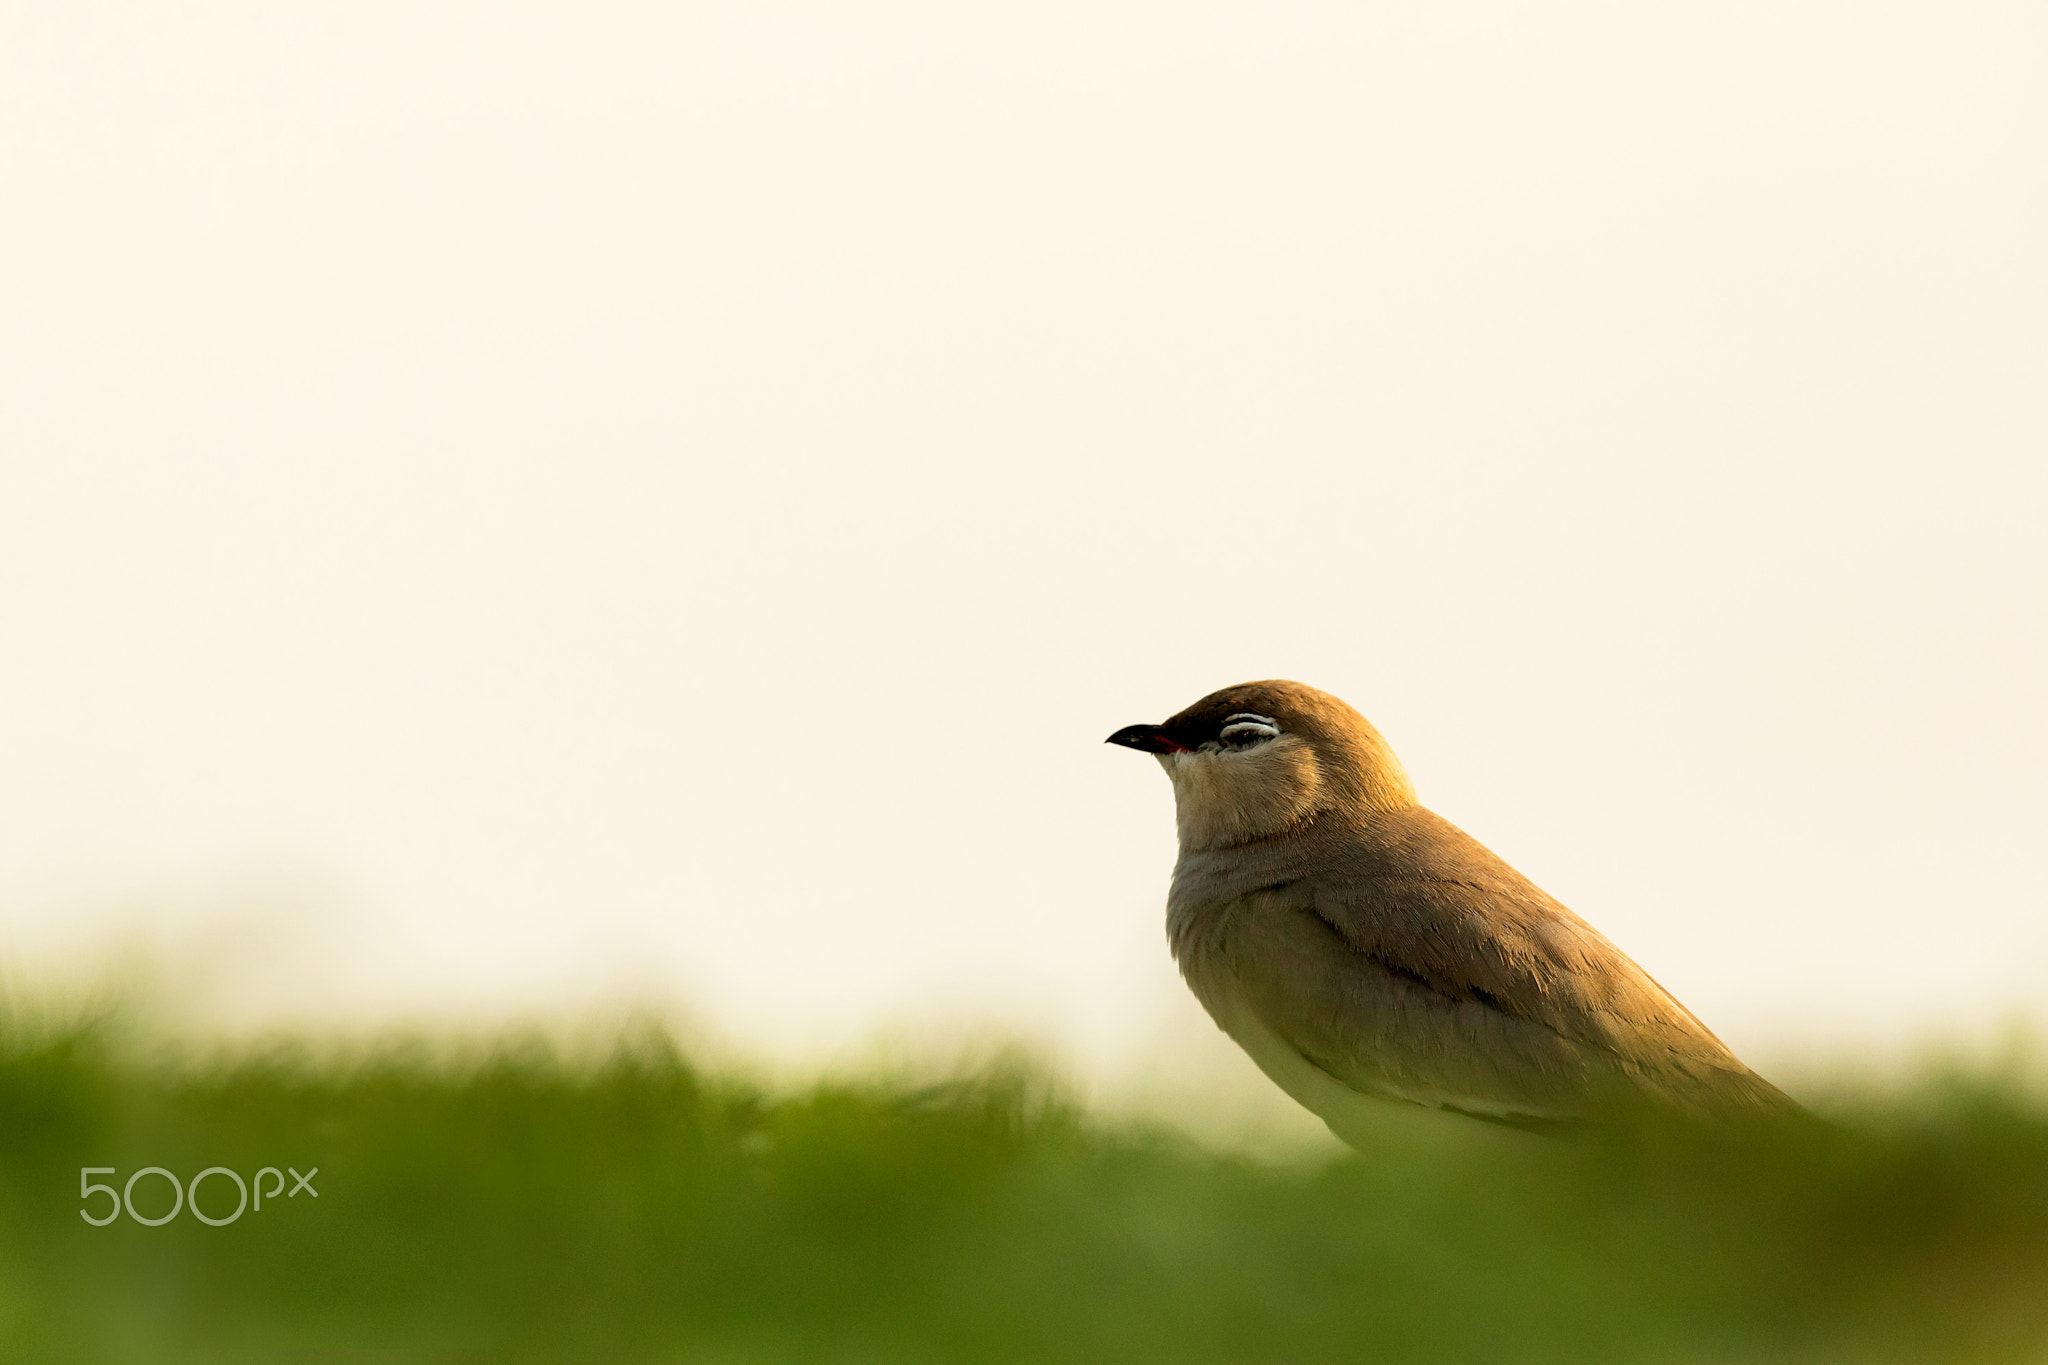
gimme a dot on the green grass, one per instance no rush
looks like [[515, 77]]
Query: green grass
[[514, 1205]]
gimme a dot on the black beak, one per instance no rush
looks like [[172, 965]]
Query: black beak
[[1147, 739]]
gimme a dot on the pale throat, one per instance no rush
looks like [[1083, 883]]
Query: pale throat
[[1230, 796]]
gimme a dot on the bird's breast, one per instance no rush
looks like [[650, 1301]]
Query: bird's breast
[[1208, 887]]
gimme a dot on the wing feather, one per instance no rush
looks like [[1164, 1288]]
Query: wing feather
[[1417, 964]]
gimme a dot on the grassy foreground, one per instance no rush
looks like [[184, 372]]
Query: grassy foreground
[[518, 1206]]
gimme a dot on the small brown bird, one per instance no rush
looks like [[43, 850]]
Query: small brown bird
[[1362, 948]]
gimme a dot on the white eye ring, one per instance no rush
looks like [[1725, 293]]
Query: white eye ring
[[1245, 723]]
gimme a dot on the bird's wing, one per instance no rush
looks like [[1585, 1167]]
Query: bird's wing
[[1281, 976], [1421, 965]]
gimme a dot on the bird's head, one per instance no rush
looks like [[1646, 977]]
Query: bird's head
[[1258, 759]]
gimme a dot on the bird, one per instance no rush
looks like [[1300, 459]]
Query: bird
[[1365, 951]]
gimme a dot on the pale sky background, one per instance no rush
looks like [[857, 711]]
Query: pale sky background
[[506, 506]]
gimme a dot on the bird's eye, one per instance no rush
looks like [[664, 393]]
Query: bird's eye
[[1245, 729]]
